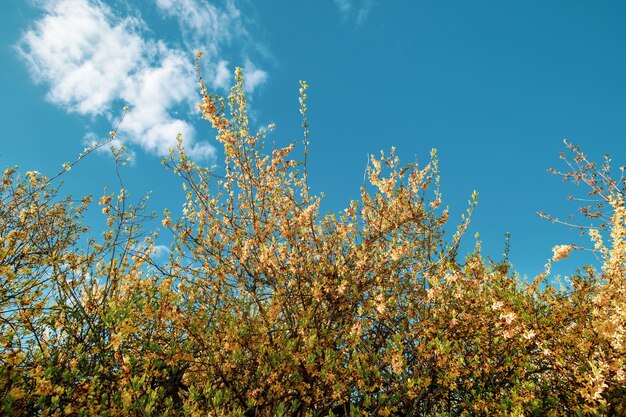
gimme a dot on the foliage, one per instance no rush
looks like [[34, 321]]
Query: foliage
[[268, 307]]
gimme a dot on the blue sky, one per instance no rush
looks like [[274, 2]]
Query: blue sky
[[495, 86]]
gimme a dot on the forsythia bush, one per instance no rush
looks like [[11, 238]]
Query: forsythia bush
[[268, 308]]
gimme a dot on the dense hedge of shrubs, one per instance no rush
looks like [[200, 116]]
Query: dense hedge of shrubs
[[268, 308]]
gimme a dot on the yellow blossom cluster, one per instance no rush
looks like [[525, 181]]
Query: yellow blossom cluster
[[561, 252]]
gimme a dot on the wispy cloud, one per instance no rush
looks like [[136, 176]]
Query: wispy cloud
[[206, 26], [94, 61], [254, 76], [359, 9], [203, 25], [222, 75], [344, 5], [161, 250]]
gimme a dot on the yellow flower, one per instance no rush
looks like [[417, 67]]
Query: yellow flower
[[380, 304], [16, 393], [508, 317], [561, 252], [497, 305], [528, 335], [32, 177]]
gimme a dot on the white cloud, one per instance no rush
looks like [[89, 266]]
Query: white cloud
[[83, 53], [253, 76], [156, 90], [161, 250], [362, 9], [94, 61], [205, 26], [343, 5], [223, 75]]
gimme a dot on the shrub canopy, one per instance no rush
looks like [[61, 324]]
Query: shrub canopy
[[266, 307]]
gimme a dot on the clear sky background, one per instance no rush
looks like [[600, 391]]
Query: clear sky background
[[495, 86]]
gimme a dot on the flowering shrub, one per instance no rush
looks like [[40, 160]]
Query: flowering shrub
[[268, 307]]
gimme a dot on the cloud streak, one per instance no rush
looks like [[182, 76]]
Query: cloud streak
[[206, 26], [203, 24], [93, 62], [360, 9]]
